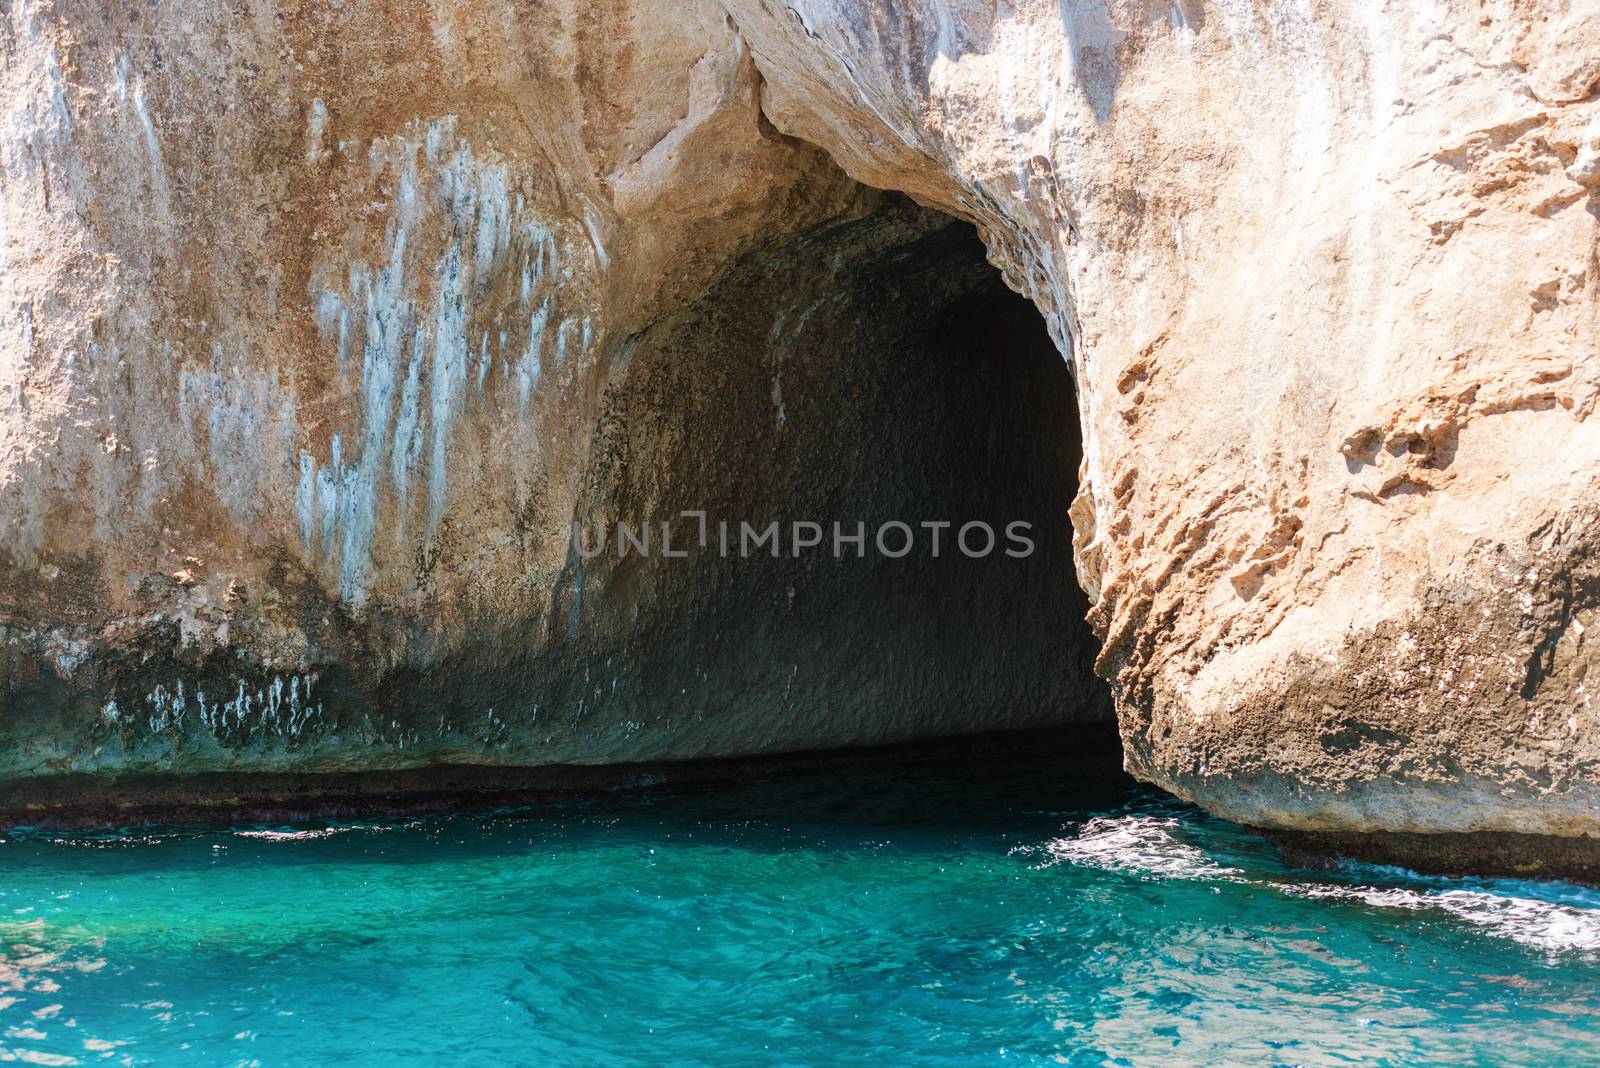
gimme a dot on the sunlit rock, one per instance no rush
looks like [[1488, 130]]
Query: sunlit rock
[[325, 325]]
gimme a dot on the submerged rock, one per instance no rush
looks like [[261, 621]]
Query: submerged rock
[[326, 324]]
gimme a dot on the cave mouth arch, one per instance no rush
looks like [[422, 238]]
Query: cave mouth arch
[[873, 371]]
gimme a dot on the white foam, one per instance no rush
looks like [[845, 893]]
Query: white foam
[[1532, 921], [290, 836], [1138, 844], [1547, 916], [311, 834]]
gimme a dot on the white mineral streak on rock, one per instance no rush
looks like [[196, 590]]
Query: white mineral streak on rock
[[415, 316], [529, 366], [316, 128], [245, 419]]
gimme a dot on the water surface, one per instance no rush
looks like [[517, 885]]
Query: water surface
[[1046, 914]]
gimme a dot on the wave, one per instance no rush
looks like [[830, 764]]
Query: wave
[[1553, 917]]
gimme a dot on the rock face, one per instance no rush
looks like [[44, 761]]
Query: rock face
[[329, 324], [326, 323], [1327, 276]]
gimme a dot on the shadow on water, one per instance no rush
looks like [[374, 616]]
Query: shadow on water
[[990, 786], [1033, 905]]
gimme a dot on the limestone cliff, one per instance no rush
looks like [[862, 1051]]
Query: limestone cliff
[[1327, 277], [325, 323], [328, 323]]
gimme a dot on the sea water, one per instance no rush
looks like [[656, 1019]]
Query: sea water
[[1043, 914]]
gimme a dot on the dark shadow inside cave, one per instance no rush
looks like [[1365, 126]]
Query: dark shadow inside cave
[[874, 371]]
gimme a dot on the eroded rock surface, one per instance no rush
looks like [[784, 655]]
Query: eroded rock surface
[[324, 324], [1327, 276], [327, 323]]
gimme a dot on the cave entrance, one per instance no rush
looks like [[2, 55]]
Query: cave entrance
[[874, 372]]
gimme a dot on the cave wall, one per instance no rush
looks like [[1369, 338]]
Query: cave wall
[[328, 325], [1327, 275], [876, 371]]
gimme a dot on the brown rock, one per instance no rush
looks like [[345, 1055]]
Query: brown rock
[[360, 307]]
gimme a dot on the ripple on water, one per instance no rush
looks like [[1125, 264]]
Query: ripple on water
[[1056, 914], [1549, 916]]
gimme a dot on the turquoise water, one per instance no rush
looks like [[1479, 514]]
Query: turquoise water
[[915, 916]]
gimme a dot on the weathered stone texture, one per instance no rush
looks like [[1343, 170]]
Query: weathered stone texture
[[312, 314]]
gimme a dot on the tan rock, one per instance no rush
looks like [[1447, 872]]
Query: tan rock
[[1328, 282], [327, 323], [331, 301]]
